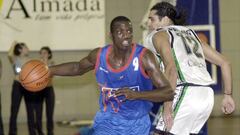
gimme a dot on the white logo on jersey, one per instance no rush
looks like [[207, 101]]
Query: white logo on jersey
[[102, 69], [121, 77], [109, 97], [192, 63], [110, 91]]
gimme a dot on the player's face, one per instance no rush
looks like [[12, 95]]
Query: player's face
[[44, 54], [154, 21], [122, 35]]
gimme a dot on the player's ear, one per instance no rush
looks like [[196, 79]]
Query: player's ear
[[166, 20]]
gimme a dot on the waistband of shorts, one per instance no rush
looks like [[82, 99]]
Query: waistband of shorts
[[192, 84]]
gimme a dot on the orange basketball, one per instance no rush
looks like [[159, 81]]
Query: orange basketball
[[34, 75]]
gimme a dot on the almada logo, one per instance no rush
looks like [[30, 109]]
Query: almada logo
[[55, 9]]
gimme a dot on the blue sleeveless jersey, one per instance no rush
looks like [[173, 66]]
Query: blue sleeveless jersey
[[131, 75]]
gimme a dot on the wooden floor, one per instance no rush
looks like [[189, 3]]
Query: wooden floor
[[58, 130], [224, 126], [216, 126]]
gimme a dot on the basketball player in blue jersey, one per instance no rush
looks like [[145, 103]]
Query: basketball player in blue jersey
[[182, 56], [125, 73]]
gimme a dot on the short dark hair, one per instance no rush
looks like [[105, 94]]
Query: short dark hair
[[17, 48], [118, 19], [48, 50], [167, 9]]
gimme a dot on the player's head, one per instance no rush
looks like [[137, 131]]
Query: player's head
[[20, 49], [45, 52], [121, 32], [164, 14]]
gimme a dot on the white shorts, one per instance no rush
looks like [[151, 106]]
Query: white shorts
[[192, 107]]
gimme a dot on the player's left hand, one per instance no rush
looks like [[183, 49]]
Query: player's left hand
[[127, 93], [228, 105]]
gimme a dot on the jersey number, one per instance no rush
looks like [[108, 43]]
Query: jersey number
[[135, 64], [187, 41]]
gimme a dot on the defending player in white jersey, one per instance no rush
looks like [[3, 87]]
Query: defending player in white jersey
[[183, 56]]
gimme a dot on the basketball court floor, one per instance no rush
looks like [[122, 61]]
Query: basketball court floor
[[224, 125], [216, 126]]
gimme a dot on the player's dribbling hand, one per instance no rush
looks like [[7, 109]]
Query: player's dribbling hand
[[228, 105], [127, 93]]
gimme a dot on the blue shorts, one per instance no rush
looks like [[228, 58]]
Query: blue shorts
[[112, 124]]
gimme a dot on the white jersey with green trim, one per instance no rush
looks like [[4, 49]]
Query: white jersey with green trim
[[187, 52]]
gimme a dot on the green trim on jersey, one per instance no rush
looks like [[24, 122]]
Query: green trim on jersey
[[159, 59], [180, 74], [180, 101]]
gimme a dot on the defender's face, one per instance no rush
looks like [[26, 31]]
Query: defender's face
[[153, 21], [122, 35]]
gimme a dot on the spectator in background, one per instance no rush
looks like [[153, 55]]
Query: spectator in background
[[48, 92], [18, 55]]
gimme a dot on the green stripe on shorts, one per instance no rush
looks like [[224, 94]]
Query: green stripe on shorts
[[180, 101]]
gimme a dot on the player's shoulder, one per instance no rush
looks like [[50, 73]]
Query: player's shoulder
[[95, 50], [94, 53], [141, 48], [99, 49], [146, 53], [161, 35]]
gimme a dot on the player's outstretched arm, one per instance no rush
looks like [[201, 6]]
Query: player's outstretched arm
[[228, 105], [75, 68]]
